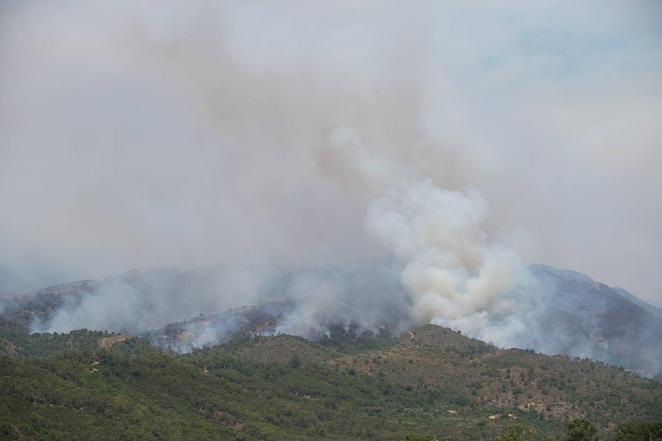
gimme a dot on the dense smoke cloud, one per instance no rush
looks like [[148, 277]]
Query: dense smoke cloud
[[455, 276], [202, 134]]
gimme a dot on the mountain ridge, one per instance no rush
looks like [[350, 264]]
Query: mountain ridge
[[579, 316]]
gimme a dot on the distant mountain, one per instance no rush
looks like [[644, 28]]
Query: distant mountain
[[134, 302], [581, 317], [18, 313], [572, 314]]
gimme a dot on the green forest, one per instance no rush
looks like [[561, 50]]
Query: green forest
[[439, 385]]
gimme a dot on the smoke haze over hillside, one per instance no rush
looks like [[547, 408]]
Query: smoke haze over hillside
[[462, 140]]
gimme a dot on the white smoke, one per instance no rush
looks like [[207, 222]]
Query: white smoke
[[316, 303], [139, 301], [455, 275], [202, 134]]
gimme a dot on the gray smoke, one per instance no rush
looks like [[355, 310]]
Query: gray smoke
[[291, 135], [140, 301]]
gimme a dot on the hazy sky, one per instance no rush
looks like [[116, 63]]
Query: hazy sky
[[195, 133]]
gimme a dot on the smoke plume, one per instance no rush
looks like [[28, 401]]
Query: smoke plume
[[291, 136], [456, 277]]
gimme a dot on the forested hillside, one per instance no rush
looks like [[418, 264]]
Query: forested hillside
[[432, 383]]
